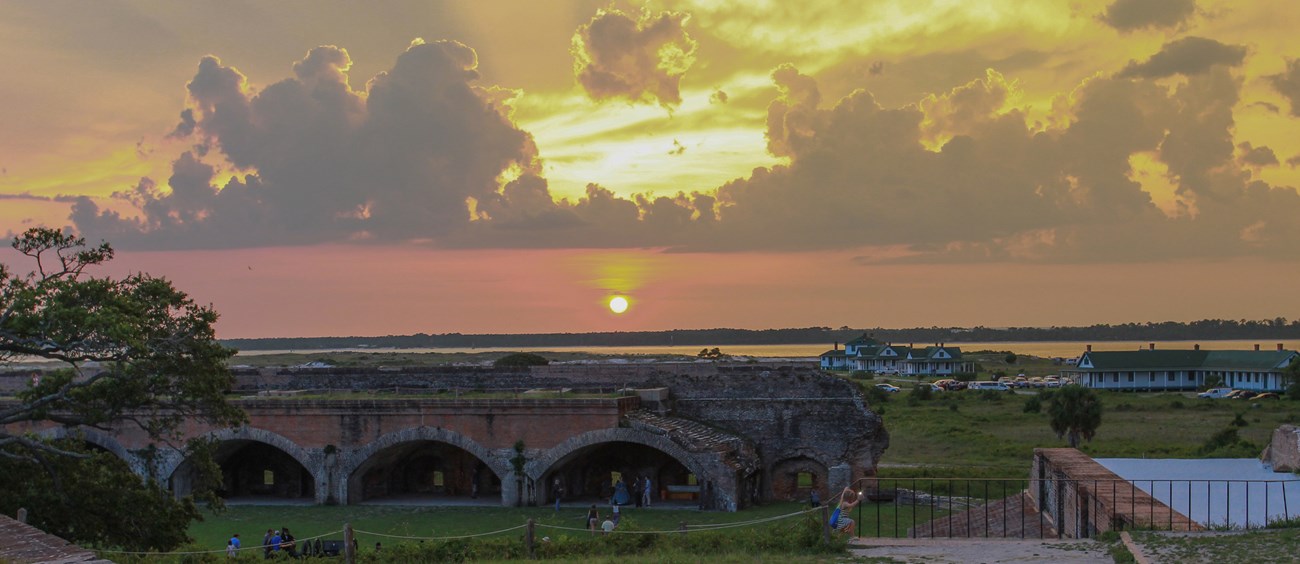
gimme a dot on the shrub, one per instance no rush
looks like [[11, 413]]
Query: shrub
[[1010, 358], [922, 392], [1033, 405], [1228, 444], [521, 359], [1239, 421], [862, 375], [964, 376], [876, 395]]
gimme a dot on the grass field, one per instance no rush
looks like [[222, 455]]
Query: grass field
[[962, 434]]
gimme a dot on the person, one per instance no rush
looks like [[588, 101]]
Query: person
[[636, 490], [840, 520], [287, 543], [593, 518], [266, 543], [617, 516], [234, 539], [607, 527], [815, 499], [621, 496], [276, 539], [646, 492], [378, 546], [230, 549], [557, 489]]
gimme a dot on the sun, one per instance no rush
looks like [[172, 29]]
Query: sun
[[618, 304]]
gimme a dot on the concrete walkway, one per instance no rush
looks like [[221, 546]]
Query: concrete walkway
[[979, 551]]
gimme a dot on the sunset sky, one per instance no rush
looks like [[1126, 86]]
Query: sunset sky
[[347, 168]]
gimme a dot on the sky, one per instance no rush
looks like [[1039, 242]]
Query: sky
[[318, 168]]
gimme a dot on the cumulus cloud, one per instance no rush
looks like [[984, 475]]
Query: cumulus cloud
[[1186, 56], [1288, 84], [315, 160], [1257, 156], [422, 153], [640, 59], [1130, 15]]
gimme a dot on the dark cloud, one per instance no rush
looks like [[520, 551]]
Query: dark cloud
[[1266, 106], [876, 68], [678, 148], [1129, 15], [718, 97], [324, 162], [1293, 161], [1257, 156], [1186, 56], [637, 59], [1288, 84], [186, 126]]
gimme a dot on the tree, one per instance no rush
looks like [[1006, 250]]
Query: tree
[[1074, 411], [132, 351], [520, 359]]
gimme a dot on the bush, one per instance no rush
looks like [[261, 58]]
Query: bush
[[521, 359], [862, 375], [923, 392], [964, 376], [1239, 421], [1228, 444], [1010, 358], [1033, 405], [1293, 392], [876, 395]]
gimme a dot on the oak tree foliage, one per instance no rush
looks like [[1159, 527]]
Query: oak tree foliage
[[128, 351]]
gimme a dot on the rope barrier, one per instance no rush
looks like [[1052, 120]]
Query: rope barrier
[[704, 527], [515, 528], [217, 551]]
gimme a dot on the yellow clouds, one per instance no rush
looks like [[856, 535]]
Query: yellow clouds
[[637, 59]]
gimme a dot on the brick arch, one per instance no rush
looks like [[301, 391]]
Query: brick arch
[[546, 462], [357, 458], [276, 440], [94, 437]]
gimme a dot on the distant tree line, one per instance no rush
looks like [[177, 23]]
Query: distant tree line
[[1207, 329]]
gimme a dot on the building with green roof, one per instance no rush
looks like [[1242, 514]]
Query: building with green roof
[[1154, 370], [866, 353]]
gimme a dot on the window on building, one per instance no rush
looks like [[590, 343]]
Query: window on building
[[268, 477], [1130, 376], [1170, 376], [691, 480], [805, 480], [437, 479], [1115, 378]]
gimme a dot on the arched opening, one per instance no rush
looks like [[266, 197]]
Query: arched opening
[[424, 472], [593, 475], [794, 479], [253, 471]]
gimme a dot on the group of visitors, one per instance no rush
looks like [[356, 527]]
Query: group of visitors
[[275, 543]]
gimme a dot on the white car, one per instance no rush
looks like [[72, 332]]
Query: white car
[[998, 386], [888, 388], [1215, 393]]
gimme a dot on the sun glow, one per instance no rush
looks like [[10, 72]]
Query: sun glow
[[618, 304]]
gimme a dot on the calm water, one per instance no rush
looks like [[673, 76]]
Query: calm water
[[1066, 349]]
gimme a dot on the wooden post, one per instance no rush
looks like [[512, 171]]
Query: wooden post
[[349, 544], [826, 524], [528, 539], [22, 514]]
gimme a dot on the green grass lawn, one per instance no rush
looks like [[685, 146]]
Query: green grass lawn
[[959, 434]]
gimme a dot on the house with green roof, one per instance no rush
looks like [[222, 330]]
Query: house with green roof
[[866, 353], [1181, 369]]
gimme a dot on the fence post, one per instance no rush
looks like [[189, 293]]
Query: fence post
[[528, 539], [22, 514], [681, 526], [349, 544], [826, 524]]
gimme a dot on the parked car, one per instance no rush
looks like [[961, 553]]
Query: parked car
[[1266, 395], [1036, 382], [1215, 393], [998, 386], [1242, 394], [936, 388], [888, 388]]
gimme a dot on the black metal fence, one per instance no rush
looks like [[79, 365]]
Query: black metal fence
[[1059, 507]]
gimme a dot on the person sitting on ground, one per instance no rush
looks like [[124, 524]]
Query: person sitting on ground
[[288, 544], [230, 548], [840, 520], [607, 526], [276, 540]]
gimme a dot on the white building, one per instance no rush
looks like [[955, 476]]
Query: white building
[[865, 353], [1156, 370]]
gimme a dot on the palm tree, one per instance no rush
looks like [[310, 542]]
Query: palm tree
[[1074, 411]]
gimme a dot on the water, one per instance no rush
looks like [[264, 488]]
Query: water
[[1064, 349]]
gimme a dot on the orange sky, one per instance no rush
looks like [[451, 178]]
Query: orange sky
[[326, 168]]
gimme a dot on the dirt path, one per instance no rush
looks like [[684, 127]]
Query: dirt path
[[979, 551]]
